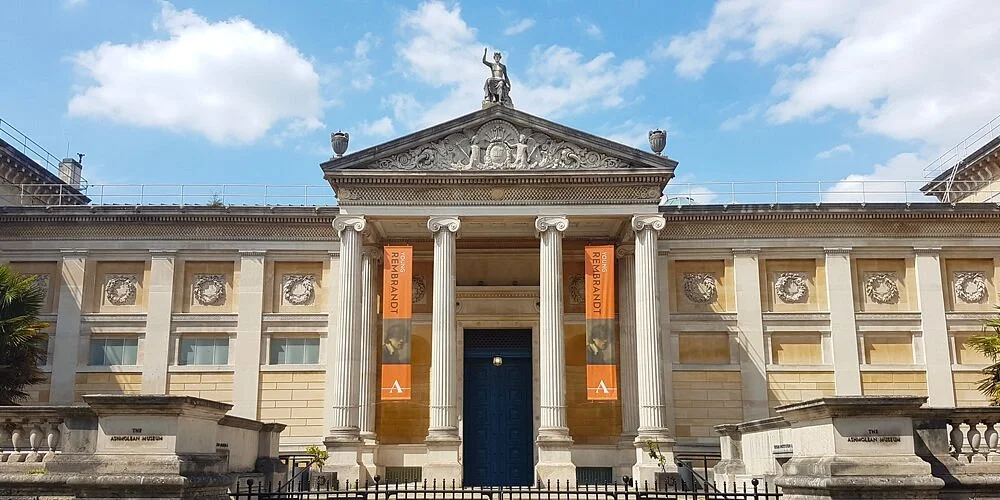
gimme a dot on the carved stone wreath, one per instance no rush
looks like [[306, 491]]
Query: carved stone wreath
[[120, 289], [298, 289], [419, 289], [791, 288], [700, 288], [42, 283], [576, 285], [881, 288], [970, 286], [498, 145], [209, 289]]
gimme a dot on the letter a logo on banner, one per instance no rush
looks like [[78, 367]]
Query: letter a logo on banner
[[602, 372], [397, 313]]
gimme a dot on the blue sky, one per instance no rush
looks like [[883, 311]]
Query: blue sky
[[248, 92]]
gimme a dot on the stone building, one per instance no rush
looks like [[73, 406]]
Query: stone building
[[723, 311]]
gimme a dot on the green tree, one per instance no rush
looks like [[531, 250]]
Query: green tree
[[22, 343], [988, 344]]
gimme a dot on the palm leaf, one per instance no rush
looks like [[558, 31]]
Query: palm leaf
[[22, 342]]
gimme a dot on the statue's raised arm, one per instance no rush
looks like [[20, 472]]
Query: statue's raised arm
[[486, 50]]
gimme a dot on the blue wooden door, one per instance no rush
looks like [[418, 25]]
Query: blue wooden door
[[497, 426]]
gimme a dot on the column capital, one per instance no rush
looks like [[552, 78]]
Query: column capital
[[449, 223], [76, 252], [622, 251], [545, 222], [370, 252], [162, 254], [656, 222], [746, 251], [927, 250], [252, 253], [838, 250], [354, 222]]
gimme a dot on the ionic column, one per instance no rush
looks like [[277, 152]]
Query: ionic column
[[343, 443], [442, 436], [649, 352], [554, 442], [370, 257], [627, 365]]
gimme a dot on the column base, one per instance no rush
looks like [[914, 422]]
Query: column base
[[369, 453], [345, 459], [443, 464], [650, 470], [555, 458]]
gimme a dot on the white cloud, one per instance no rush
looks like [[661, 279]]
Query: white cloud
[[897, 180], [229, 81], [838, 149], [908, 70], [519, 27], [589, 28], [379, 128], [683, 190], [736, 122], [360, 65], [442, 50]]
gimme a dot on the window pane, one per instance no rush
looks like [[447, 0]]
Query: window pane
[[295, 351], [97, 352], [203, 353], [222, 351], [278, 351], [186, 356], [113, 351], [130, 354], [311, 351]]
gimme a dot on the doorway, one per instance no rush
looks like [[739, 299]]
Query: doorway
[[497, 440]]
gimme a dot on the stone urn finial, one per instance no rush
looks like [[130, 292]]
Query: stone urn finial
[[339, 141], [657, 140]]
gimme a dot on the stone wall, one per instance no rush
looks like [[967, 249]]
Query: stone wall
[[217, 386], [704, 399]]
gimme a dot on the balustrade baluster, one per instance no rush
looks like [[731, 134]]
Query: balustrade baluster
[[52, 436], [34, 442], [975, 438], [956, 439], [4, 440], [992, 438]]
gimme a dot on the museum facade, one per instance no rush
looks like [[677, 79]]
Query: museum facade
[[500, 298]]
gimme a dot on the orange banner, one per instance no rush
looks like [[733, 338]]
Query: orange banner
[[602, 379], [397, 314]]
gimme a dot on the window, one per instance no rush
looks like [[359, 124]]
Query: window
[[204, 351], [294, 351], [110, 352]]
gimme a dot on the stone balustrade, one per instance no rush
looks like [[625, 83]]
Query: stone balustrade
[[36, 433], [973, 436]]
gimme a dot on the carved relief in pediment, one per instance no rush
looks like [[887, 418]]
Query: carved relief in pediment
[[500, 145]]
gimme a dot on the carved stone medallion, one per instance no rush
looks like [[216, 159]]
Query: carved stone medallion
[[298, 289], [881, 288], [120, 289], [576, 286], [791, 288], [499, 145], [970, 286], [209, 289], [42, 283], [700, 288], [419, 290]]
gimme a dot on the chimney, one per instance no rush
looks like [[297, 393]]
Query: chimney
[[70, 172]]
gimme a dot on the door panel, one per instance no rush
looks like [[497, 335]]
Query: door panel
[[497, 425]]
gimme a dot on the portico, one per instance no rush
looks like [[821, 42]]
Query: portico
[[498, 245]]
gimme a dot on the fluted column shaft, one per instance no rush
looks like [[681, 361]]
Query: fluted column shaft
[[370, 257], [552, 352], [649, 355], [348, 334], [444, 346], [626, 328]]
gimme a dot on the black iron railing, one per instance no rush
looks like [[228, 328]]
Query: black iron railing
[[450, 490]]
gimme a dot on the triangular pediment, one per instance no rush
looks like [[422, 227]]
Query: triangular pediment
[[494, 140]]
